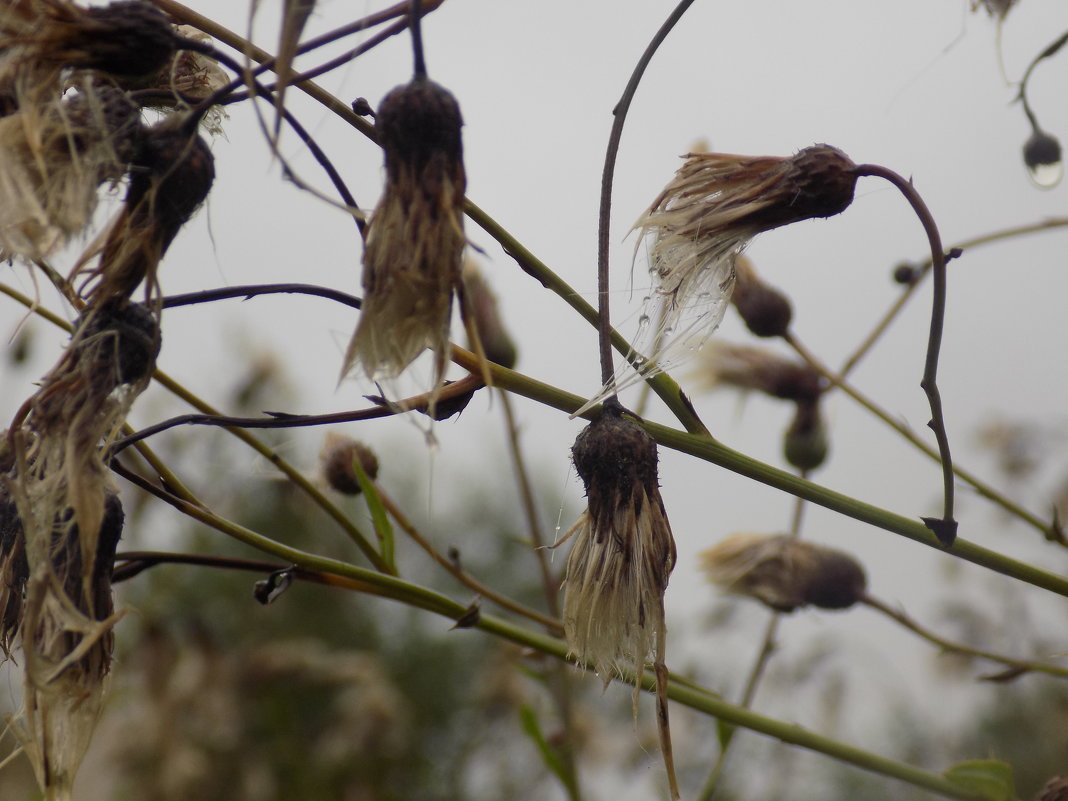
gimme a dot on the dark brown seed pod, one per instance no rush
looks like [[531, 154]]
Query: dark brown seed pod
[[336, 461], [745, 367], [418, 126], [765, 310], [120, 340]]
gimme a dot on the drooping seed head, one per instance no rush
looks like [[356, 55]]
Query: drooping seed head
[[785, 573], [749, 368], [805, 443], [623, 554]]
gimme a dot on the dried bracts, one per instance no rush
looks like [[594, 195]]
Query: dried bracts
[[623, 551], [53, 158], [413, 254], [170, 176], [61, 522]]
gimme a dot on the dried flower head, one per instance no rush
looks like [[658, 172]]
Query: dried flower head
[[805, 443], [784, 572], [53, 158], [415, 238], [706, 216], [749, 368], [170, 176], [623, 553], [483, 310], [336, 461], [40, 38], [765, 310]]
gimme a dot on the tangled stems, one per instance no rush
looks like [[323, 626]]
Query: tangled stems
[[700, 699]]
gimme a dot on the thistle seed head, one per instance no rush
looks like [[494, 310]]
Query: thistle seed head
[[623, 555], [785, 573], [415, 239]]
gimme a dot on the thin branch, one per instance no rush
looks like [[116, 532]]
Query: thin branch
[[1051, 530], [945, 528], [604, 327], [1017, 666]]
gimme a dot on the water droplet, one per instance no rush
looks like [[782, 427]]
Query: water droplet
[[1042, 155], [1047, 176]]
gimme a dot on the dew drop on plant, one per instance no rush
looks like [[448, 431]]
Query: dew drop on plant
[[1042, 155], [1047, 176]]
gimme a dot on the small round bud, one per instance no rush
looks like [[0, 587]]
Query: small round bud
[[337, 457], [905, 274], [805, 443], [765, 310]]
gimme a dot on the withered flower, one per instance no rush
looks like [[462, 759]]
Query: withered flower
[[484, 312], [785, 573], [192, 77], [171, 174], [336, 462], [40, 38], [749, 368], [618, 568], [415, 238], [60, 525], [53, 158], [765, 310], [706, 216]]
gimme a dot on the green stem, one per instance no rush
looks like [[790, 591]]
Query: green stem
[[711, 451], [698, 699]]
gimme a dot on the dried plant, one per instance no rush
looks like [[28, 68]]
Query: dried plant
[[413, 254], [784, 572], [53, 158], [749, 368]]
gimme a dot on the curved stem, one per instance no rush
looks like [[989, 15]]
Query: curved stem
[[716, 453], [619, 113], [1050, 531], [946, 528]]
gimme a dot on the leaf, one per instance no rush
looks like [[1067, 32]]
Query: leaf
[[988, 779], [549, 756], [378, 513]]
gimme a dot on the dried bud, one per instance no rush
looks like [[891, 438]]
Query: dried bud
[[337, 457], [757, 369], [623, 554], [1056, 789], [415, 238], [805, 443], [1042, 155], [906, 274], [785, 573], [117, 343], [765, 310], [170, 177], [482, 306]]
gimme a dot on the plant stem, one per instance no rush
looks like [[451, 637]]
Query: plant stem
[[711, 451], [619, 113], [946, 528]]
